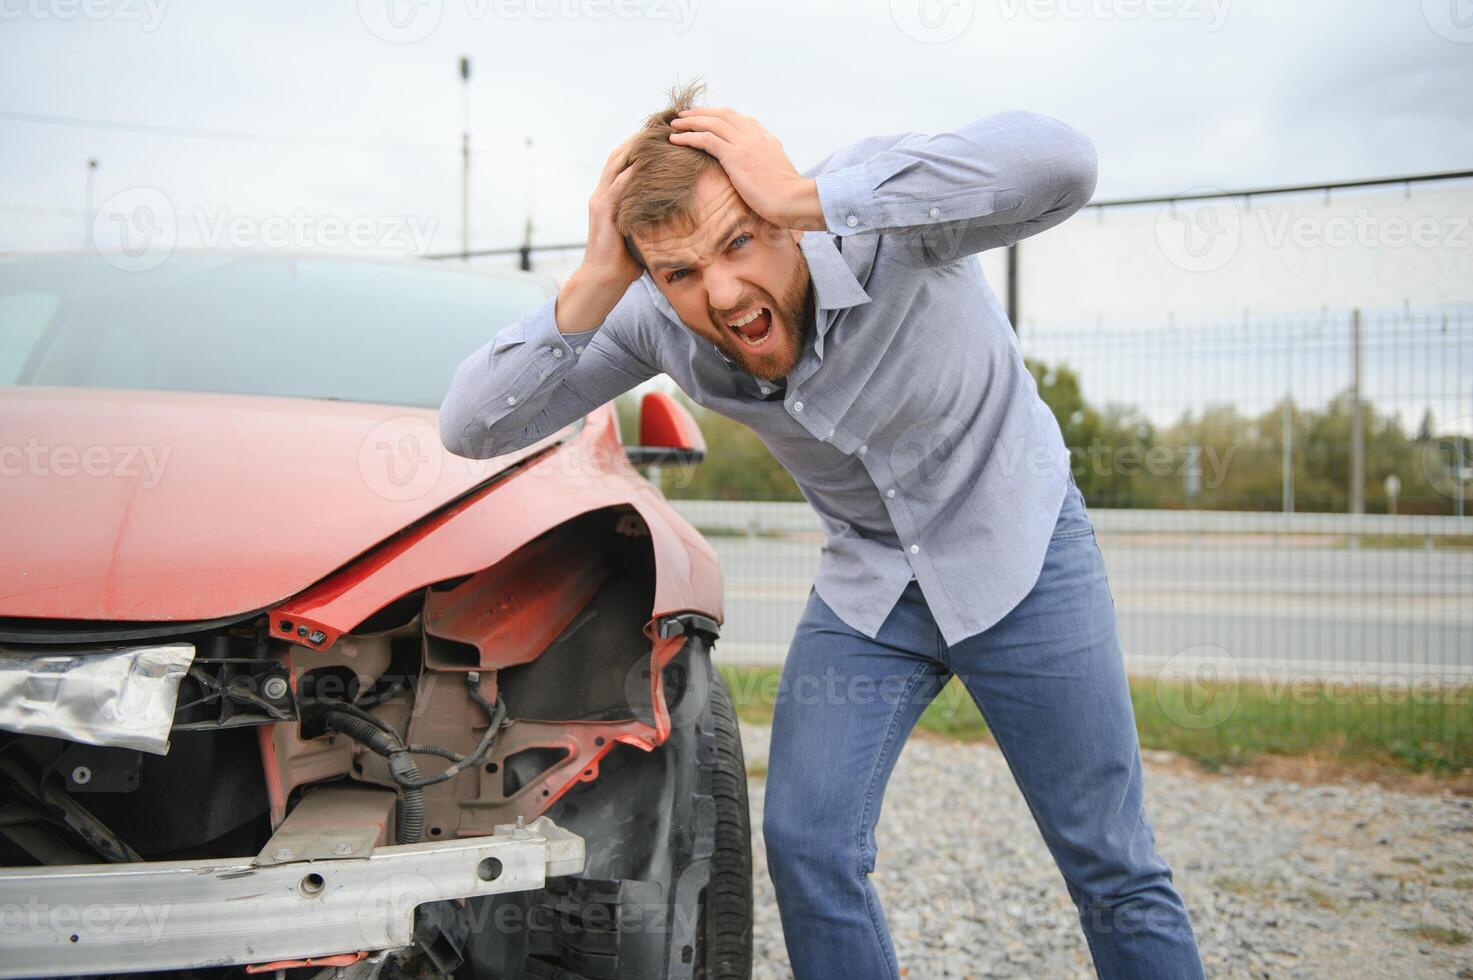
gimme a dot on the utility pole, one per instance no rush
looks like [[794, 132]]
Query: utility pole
[[87, 236], [1013, 286], [465, 159], [526, 252]]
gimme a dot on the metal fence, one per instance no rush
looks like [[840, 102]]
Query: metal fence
[[1345, 411]]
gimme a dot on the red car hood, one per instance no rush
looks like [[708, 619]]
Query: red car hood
[[160, 505]]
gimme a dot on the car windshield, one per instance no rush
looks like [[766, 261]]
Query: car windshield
[[261, 325]]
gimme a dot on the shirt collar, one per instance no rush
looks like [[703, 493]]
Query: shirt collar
[[834, 287], [834, 284]]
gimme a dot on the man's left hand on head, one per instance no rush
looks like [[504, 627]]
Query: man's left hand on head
[[756, 164]]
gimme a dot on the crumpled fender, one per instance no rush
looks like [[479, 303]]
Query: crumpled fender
[[588, 472]]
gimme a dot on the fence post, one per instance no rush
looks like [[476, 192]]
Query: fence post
[[1357, 424], [1286, 462]]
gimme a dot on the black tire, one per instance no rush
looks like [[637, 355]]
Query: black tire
[[724, 929]]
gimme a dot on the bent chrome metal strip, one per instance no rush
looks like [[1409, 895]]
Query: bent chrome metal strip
[[119, 696], [84, 919]]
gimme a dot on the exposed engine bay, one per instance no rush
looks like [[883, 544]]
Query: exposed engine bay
[[532, 712]]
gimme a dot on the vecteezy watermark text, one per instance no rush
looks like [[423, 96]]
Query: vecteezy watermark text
[[39, 459], [98, 920], [138, 228], [1205, 235], [408, 21], [1212, 13], [148, 14], [302, 230]]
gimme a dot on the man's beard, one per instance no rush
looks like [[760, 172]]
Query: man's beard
[[794, 308]]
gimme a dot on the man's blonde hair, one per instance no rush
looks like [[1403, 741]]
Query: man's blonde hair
[[662, 185]]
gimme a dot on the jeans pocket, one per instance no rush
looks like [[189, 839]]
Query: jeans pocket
[[1073, 519]]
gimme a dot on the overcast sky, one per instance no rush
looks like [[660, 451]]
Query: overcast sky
[[1177, 94]]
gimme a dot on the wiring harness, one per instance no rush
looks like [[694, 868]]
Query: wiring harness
[[380, 737]]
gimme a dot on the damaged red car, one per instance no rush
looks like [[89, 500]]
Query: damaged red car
[[287, 688]]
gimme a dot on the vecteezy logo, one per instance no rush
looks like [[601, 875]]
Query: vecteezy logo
[[386, 911], [135, 229], [1447, 460], [1444, 907], [1451, 19], [937, 915], [401, 458], [400, 21], [1198, 687], [932, 21], [934, 458], [1408, 270], [686, 689], [123, 692], [1199, 236]]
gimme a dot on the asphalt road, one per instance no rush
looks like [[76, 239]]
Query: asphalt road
[[1288, 608]]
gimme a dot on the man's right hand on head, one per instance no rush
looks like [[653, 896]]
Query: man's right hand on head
[[608, 268]]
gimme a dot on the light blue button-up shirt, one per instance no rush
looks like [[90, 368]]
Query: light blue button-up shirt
[[910, 422]]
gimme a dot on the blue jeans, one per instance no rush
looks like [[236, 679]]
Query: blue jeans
[[1050, 681]]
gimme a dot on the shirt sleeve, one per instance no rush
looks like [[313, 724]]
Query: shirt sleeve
[[531, 380], [985, 185]]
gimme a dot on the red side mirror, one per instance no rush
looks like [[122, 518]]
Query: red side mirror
[[667, 433]]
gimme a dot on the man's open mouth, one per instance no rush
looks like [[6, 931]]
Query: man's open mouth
[[753, 328]]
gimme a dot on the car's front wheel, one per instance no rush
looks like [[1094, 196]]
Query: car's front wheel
[[724, 933]]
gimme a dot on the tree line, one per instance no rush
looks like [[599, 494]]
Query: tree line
[[1215, 459]]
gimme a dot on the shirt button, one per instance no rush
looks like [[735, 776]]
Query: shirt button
[[890, 492], [765, 389], [577, 350], [863, 450], [851, 221], [831, 433], [797, 406], [557, 352], [915, 548], [511, 399], [935, 212]]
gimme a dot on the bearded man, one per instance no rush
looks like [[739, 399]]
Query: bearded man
[[840, 314]]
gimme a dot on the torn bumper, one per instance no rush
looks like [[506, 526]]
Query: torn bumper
[[85, 919]]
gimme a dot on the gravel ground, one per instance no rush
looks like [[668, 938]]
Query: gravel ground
[[1282, 879]]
